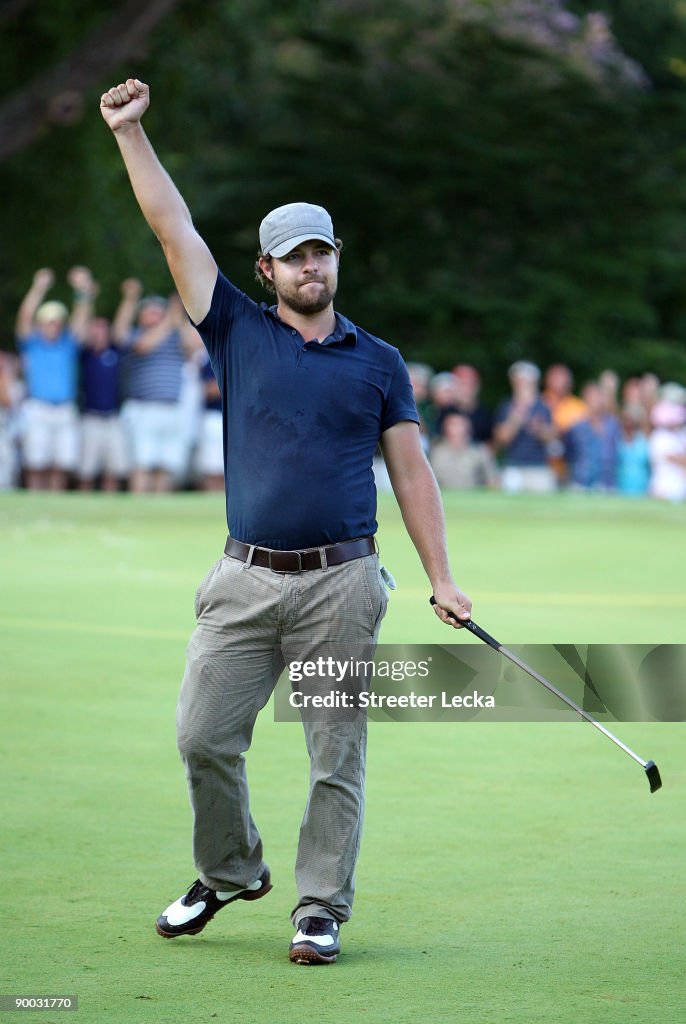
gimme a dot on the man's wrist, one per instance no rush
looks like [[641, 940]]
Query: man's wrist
[[127, 128], [442, 582]]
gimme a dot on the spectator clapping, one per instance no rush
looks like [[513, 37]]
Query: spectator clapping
[[150, 409]]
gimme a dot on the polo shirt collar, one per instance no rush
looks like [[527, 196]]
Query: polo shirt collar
[[344, 332]]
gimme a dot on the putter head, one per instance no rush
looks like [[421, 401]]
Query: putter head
[[653, 774]]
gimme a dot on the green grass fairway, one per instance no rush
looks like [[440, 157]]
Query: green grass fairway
[[510, 873]]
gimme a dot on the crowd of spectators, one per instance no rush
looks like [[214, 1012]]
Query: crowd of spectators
[[133, 403], [628, 438], [88, 402]]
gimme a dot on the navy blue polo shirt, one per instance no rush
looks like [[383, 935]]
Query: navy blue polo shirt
[[100, 380], [302, 421]]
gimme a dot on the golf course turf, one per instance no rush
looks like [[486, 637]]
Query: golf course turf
[[509, 873]]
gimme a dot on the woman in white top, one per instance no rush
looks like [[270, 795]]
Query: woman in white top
[[668, 451]]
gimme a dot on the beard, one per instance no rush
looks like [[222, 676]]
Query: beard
[[316, 299]]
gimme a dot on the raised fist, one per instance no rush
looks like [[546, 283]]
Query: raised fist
[[132, 289], [81, 279], [44, 279], [124, 104]]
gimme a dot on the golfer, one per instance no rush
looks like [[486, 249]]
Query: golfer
[[307, 396]]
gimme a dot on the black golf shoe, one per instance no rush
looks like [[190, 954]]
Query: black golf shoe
[[189, 914], [315, 942]]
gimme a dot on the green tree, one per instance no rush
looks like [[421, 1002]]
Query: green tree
[[506, 175]]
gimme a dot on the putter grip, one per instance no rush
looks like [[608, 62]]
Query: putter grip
[[473, 628]]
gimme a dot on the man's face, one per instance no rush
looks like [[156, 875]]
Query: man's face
[[443, 393], [593, 397], [150, 314], [51, 329], [99, 332], [456, 430], [306, 278], [524, 386], [558, 380], [466, 387]]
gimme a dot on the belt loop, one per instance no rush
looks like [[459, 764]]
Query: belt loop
[[248, 562], [322, 558]]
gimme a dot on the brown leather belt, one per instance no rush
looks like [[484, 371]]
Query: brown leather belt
[[300, 561]]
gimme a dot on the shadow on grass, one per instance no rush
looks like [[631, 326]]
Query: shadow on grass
[[249, 948]]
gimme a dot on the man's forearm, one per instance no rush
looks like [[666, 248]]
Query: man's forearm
[[422, 510], [158, 197], [27, 309], [190, 261], [123, 319], [150, 339], [81, 315]]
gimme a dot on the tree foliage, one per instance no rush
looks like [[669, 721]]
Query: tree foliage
[[506, 174]]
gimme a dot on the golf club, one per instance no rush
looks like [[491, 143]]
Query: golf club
[[649, 767]]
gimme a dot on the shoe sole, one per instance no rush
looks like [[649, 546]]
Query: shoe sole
[[308, 956], [246, 895]]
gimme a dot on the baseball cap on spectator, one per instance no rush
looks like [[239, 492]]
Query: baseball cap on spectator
[[673, 392], [291, 225], [51, 311], [523, 368], [440, 381], [152, 300]]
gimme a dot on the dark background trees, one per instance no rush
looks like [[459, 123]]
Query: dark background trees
[[506, 174]]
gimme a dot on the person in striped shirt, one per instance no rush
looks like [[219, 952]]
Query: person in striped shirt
[[153, 334]]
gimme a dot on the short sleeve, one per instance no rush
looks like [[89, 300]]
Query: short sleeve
[[228, 305], [400, 404], [502, 412]]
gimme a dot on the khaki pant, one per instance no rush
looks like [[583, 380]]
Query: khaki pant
[[250, 621], [535, 479]]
